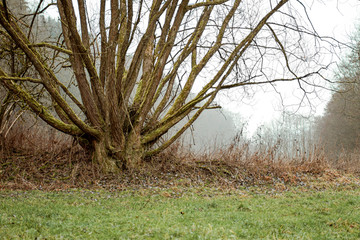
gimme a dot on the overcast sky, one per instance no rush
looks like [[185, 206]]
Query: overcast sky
[[334, 18]]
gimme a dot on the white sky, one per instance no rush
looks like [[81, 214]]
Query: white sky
[[335, 18]]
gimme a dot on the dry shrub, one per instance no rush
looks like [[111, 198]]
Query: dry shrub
[[70, 167], [37, 157], [33, 136], [34, 156], [238, 165], [347, 161]]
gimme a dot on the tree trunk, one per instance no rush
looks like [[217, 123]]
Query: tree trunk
[[133, 154], [127, 157], [101, 155]]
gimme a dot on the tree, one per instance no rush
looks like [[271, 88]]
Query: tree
[[290, 136], [135, 64], [339, 128]]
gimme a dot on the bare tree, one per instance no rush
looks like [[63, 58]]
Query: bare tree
[[339, 128], [291, 136], [135, 64]]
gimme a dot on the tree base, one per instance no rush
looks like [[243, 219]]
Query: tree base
[[101, 155]]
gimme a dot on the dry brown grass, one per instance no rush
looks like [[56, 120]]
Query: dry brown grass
[[40, 158], [236, 165], [347, 161], [33, 138]]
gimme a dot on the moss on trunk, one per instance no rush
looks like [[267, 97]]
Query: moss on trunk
[[128, 157], [134, 151], [102, 156]]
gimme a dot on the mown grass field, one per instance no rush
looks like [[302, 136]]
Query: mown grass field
[[181, 213]]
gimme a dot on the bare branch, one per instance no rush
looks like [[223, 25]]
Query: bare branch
[[204, 4], [24, 79], [48, 45]]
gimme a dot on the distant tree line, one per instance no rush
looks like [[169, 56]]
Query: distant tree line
[[291, 136], [339, 128]]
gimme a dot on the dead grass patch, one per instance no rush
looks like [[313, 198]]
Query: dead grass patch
[[36, 158]]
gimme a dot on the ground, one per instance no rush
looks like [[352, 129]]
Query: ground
[[64, 195], [182, 213]]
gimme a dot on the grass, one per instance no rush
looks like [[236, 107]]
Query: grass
[[180, 213], [230, 193]]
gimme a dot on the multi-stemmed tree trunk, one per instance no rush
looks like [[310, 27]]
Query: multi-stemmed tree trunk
[[135, 64]]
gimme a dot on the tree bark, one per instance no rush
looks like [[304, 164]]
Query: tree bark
[[134, 151], [102, 156], [116, 157]]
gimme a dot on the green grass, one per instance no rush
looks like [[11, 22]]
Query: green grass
[[180, 214]]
